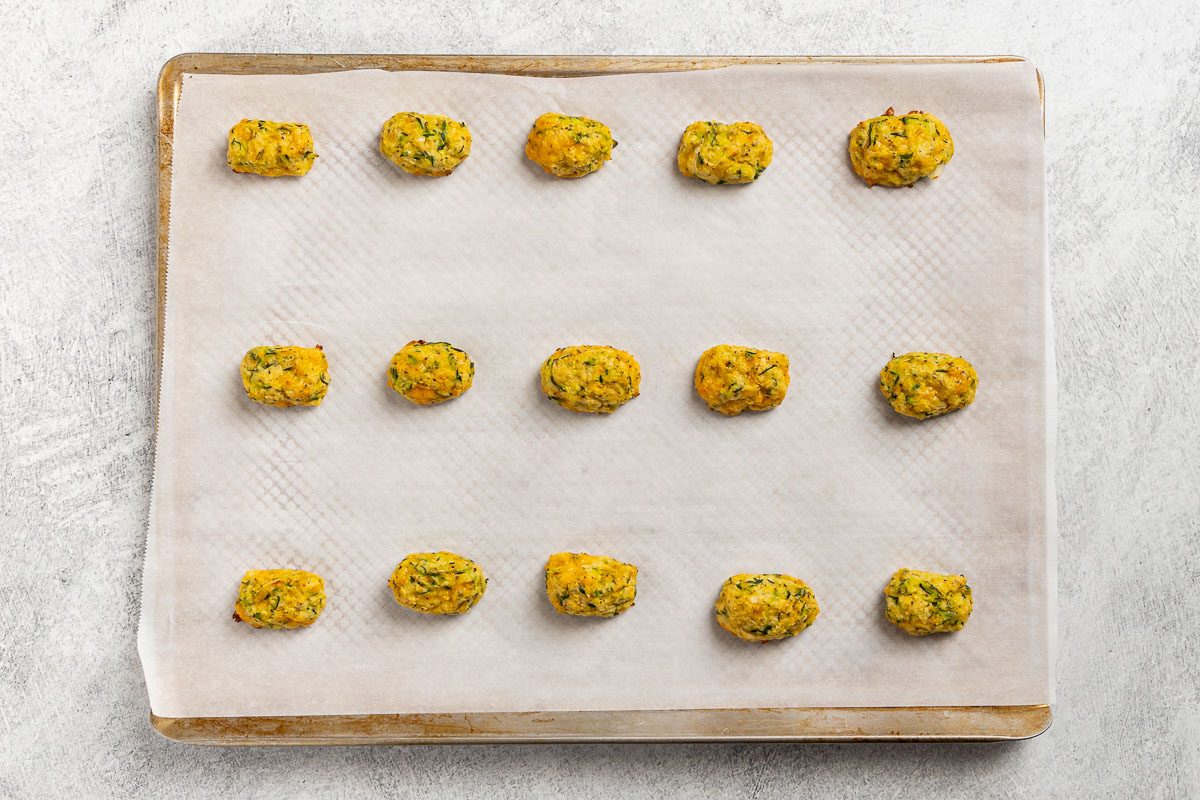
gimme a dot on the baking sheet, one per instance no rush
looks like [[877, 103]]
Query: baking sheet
[[510, 264]]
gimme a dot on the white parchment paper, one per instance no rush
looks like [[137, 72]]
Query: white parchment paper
[[510, 264]]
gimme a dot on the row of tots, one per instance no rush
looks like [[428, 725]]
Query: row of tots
[[754, 607], [888, 150], [600, 379]]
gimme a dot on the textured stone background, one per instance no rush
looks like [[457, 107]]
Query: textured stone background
[[76, 285]]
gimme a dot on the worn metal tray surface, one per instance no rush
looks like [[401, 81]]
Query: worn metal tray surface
[[926, 723]]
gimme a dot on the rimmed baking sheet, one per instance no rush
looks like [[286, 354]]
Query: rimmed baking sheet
[[510, 264]]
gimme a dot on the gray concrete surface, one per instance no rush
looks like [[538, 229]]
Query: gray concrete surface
[[76, 314]]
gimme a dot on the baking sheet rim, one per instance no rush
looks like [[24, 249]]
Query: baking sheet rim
[[808, 724]]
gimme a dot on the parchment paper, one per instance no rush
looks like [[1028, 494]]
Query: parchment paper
[[510, 264]]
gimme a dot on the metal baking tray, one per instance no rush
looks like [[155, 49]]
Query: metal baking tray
[[926, 723]]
